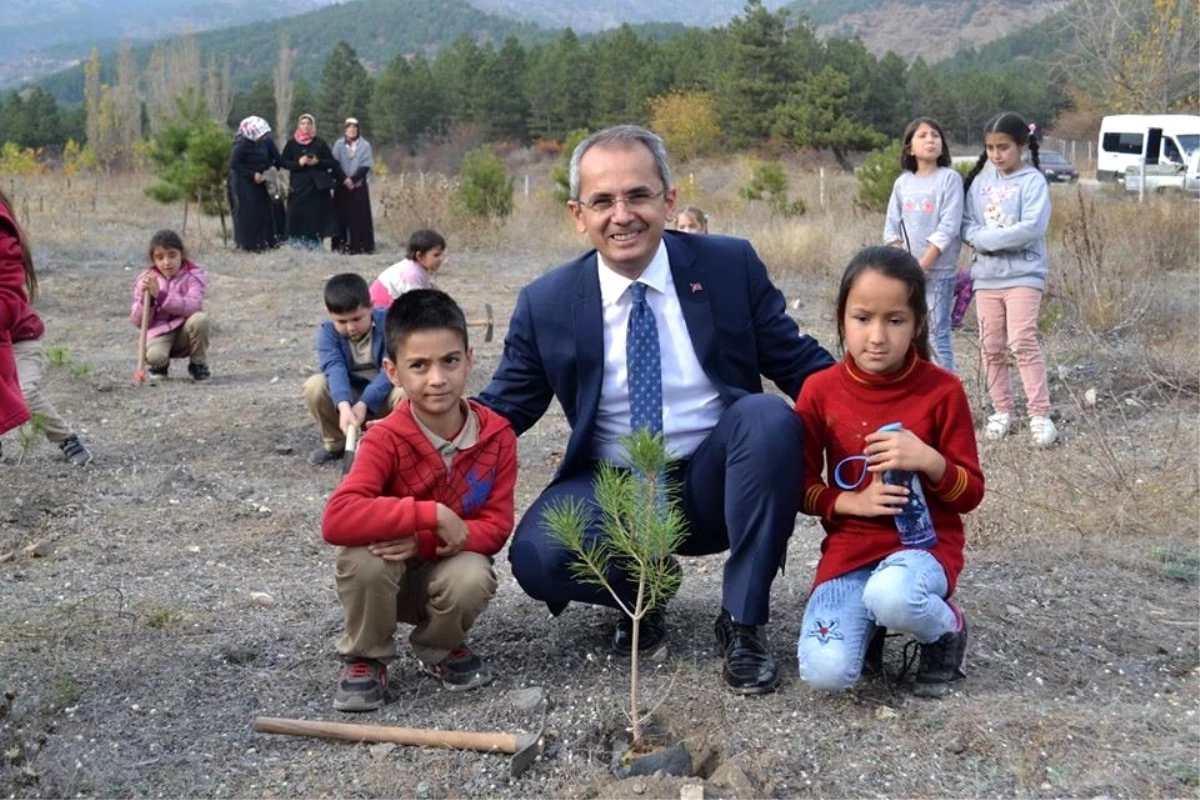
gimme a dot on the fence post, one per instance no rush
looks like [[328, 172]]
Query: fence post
[[527, 186], [821, 194]]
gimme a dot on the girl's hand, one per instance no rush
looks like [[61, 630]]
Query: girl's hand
[[902, 449], [150, 284], [258, 177], [878, 499]]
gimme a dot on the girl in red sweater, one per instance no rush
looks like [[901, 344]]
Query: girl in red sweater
[[867, 580]]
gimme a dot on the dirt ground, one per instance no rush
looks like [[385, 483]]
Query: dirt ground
[[154, 602]]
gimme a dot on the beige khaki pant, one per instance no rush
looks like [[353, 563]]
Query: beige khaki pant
[[320, 404], [189, 339], [31, 363], [441, 598]]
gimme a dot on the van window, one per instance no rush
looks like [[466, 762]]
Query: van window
[[1129, 143], [1189, 142], [1171, 152]]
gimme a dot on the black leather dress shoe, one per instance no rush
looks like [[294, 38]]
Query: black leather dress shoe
[[653, 631], [749, 668]]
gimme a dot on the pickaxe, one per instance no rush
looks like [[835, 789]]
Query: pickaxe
[[488, 324], [523, 747]]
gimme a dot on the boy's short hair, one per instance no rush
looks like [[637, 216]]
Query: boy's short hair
[[346, 292], [422, 310]]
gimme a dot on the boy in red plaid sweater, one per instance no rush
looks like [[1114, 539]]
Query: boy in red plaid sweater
[[426, 505]]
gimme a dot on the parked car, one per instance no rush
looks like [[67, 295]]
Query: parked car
[[1056, 167]]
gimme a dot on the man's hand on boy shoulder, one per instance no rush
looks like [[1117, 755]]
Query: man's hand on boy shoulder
[[395, 550], [451, 530]]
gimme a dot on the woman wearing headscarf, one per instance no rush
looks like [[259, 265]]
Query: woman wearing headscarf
[[307, 158], [250, 203], [351, 196]]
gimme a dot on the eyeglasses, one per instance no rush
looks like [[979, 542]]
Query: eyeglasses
[[638, 198]]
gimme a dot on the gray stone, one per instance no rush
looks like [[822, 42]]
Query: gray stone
[[530, 699]]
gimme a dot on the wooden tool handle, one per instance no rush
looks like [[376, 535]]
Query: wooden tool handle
[[421, 737], [145, 329], [352, 434]]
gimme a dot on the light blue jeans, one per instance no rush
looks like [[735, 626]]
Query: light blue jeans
[[939, 296], [903, 592]]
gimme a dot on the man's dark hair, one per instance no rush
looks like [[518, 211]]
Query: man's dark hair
[[346, 292], [422, 310]]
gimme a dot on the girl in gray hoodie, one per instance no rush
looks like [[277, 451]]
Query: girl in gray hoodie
[[1005, 216]]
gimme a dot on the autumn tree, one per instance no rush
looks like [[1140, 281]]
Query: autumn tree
[[1138, 56], [687, 122], [283, 86]]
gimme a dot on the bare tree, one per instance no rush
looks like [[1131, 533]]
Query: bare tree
[[91, 97], [283, 85], [183, 70], [127, 101], [218, 93], [159, 103], [1138, 56]]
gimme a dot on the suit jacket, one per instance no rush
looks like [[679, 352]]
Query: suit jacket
[[736, 318]]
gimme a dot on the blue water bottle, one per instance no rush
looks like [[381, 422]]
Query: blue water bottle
[[913, 522]]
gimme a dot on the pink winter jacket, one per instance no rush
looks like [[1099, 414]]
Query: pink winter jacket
[[178, 299]]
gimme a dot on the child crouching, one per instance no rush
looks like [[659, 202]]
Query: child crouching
[[426, 505]]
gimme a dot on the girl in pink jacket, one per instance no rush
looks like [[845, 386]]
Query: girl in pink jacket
[[175, 288]]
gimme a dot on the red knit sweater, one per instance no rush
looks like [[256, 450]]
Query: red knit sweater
[[398, 479], [843, 405]]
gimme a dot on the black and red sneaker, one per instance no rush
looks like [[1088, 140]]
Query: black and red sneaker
[[362, 685], [462, 670]]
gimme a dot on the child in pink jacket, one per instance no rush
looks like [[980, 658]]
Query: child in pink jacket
[[175, 288]]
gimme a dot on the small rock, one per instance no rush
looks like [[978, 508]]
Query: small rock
[[956, 747], [884, 712], [283, 450], [43, 550], [530, 699], [423, 789], [660, 655], [381, 750], [193, 548], [238, 654], [1132, 402], [733, 779], [638, 788], [1012, 611], [691, 791], [1089, 398], [262, 599]]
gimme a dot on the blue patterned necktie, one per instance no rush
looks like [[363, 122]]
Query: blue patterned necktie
[[644, 365]]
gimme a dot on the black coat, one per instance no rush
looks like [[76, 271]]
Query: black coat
[[310, 213], [251, 205]]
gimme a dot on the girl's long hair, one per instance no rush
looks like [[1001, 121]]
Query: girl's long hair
[[31, 285], [1012, 125]]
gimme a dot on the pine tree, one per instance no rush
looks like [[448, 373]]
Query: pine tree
[[345, 92]]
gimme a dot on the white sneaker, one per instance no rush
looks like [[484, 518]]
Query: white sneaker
[[998, 425], [1043, 431]]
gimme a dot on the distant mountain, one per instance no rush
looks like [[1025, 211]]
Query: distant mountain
[[376, 29], [589, 16], [38, 37], [932, 29]]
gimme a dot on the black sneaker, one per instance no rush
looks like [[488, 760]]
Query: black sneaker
[[362, 685], [199, 372], [322, 456], [873, 660], [462, 670], [159, 373], [76, 451], [942, 663]]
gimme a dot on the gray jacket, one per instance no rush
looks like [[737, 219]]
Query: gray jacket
[[1005, 220], [930, 208]]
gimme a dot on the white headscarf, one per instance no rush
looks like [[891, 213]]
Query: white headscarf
[[254, 128]]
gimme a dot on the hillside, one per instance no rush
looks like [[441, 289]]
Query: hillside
[[378, 29], [933, 29], [38, 37], [589, 16]]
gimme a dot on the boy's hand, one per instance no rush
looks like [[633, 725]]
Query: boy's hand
[[395, 550], [451, 530], [351, 415], [878, 499]]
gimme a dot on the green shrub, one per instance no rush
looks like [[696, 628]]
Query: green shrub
[[561, 174], [485, 188], [877, 176], [769, 182]]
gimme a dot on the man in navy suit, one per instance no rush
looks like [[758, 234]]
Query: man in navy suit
[[720, 326]]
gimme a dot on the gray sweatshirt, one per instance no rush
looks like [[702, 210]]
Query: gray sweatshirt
[[1005, 220], [931, 208]]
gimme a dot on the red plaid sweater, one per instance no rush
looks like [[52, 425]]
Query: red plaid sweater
[[398, 479], [841, 406]]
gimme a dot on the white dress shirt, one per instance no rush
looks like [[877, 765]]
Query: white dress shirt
[[691, 404]]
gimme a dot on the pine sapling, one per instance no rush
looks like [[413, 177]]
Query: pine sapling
[[641, 526]]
